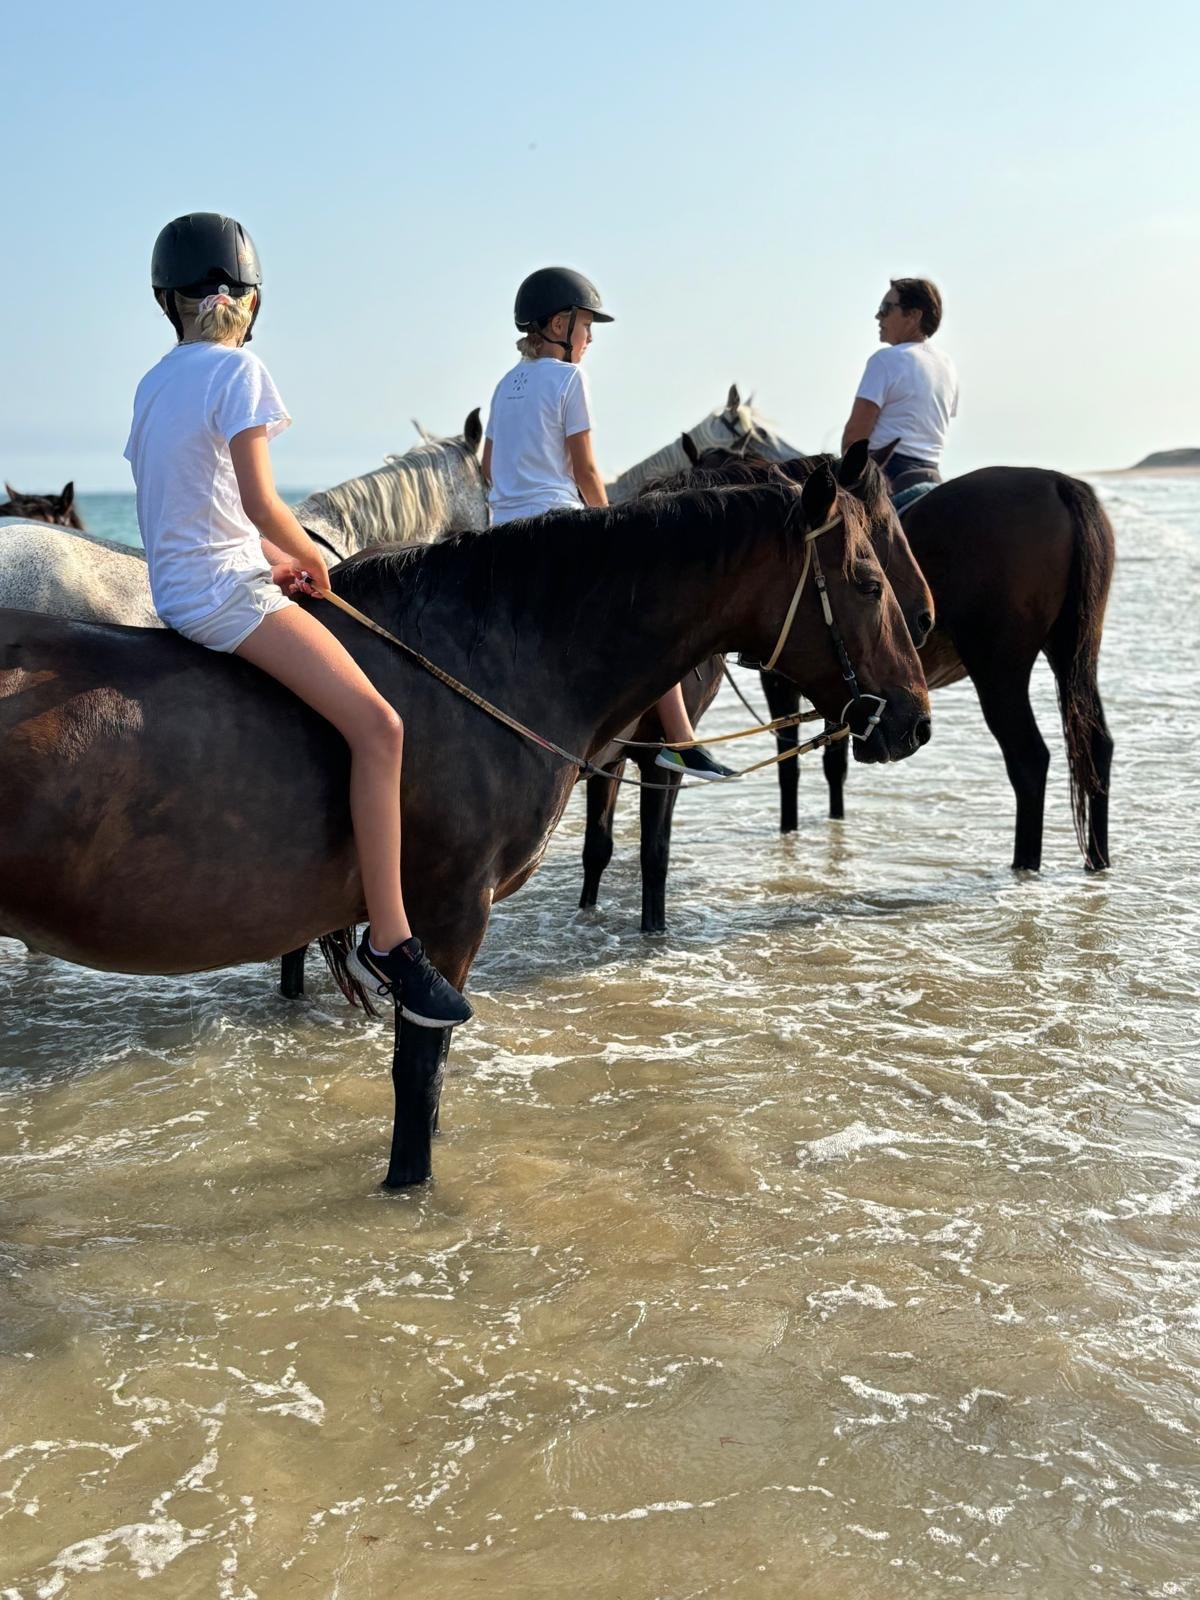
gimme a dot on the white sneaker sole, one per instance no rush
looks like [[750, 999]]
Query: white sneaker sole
[[371, 981]]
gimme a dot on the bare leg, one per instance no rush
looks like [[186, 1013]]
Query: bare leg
[[673, 715], [294, 648]]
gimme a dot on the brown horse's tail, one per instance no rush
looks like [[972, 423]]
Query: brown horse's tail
[[1075, 641], [335, 947]]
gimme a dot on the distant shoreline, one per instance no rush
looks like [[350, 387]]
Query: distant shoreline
[[1146, 472]]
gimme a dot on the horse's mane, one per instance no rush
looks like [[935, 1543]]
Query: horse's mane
[[558, 561], [404, 499], [713, 430], [728, 468]]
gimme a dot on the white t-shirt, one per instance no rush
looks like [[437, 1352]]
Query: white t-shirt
[[536, 408], [915, 387], [199, 541]]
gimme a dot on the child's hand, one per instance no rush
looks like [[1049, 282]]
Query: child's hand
[[299, 577]]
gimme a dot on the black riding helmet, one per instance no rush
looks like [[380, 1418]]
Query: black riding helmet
[[553, 289], [202, 252]]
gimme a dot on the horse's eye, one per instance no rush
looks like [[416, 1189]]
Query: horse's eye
[[871, 587]]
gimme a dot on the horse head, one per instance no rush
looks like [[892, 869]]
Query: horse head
[[853, 636], [57, 509]]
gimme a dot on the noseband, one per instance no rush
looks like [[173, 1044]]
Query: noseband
[[869, 720]]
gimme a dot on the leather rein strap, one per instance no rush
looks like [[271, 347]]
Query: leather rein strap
[[586, 767]]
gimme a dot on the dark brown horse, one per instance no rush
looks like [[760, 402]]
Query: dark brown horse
[[856, 473], [1020, 561], [58, 509], [168, 809]]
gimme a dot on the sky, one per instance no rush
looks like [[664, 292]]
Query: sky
[[741, 182]]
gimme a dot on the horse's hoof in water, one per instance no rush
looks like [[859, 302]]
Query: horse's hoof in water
[[400, 1180]]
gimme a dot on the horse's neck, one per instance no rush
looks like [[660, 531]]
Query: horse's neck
[[671, 459], [663, 463], [659, 602], [410, 499]]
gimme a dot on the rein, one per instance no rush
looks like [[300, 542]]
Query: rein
[[588, 768]]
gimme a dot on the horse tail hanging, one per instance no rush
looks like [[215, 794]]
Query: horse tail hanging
[[1075, 641], [335, 947]]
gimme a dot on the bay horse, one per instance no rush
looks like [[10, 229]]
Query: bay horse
[[860, 476], [58, 509], [145, 781], [1019, 561]]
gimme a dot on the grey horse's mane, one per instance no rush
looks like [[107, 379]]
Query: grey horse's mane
[[408, 498], [719, 430]]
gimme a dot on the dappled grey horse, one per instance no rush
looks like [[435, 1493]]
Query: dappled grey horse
[[432, 489]]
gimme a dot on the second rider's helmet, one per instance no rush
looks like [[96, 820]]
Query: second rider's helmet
[[553, 289], [202, 252]]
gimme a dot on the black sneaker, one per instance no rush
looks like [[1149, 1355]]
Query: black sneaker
[[693, 763], [414, 983]]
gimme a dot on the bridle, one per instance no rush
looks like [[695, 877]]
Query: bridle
[[741, 440], [869, 720]]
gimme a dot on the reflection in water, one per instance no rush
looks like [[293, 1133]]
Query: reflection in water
[[841, 1243]]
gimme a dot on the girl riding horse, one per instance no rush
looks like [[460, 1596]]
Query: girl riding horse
[[537, 453], [225, 555]]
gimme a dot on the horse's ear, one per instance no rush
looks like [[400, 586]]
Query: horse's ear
[[473, 431], [689, 448], [853, 464], [734, 400], [67, 497], [818, 496], [10, 491], [422, 435], [884, 454]]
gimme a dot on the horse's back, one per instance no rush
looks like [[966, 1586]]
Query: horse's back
[[63, 573], [1000, 548]]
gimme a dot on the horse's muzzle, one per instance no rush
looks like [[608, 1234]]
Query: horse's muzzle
[[901, 729]]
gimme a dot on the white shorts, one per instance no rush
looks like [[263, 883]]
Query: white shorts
[[235, 619]]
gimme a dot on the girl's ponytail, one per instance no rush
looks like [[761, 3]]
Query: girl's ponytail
[[217, 318]]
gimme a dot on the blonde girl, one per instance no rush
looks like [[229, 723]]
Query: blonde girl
[[537, 453], [224, 555]]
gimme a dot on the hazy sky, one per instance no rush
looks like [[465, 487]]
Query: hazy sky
[[740, 181]]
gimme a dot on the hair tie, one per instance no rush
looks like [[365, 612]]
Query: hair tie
[[211, 300]]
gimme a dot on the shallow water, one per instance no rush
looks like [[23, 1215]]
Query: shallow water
[[843, 1243]]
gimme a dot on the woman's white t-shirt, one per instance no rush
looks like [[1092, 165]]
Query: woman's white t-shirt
[[915, 387], [199, 541], [536, 408]]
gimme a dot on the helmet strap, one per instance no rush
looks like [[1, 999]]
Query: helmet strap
[[563, 344], [172, 310]]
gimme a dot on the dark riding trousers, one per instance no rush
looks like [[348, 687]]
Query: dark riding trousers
[[909, 478]]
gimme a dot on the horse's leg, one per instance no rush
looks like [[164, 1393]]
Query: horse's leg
[[835, 760], [419, 1055], [418, 1068], [598, 835], [1089, 749], [783, 700], [1102, 753], [658, 805], [291, 973], [1004, 699]]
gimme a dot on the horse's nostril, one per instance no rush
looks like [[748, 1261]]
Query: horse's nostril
[[925, 624], [923, 732]]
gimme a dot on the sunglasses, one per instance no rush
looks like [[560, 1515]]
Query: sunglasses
[[886, 307]]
